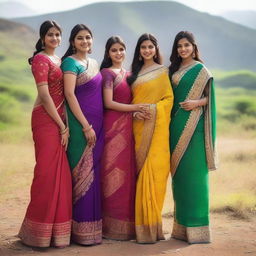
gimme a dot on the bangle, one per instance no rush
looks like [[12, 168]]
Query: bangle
[[64, 130], [134, 114], [87, 129]]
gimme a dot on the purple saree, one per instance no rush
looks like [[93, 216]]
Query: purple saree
[[85, 161]]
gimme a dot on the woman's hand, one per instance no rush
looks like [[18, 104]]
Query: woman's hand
[[144, 108], [90, 136], [190, 104], [64, 137], [142, 116]]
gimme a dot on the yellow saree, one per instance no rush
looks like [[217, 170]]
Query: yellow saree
[[152, 152]]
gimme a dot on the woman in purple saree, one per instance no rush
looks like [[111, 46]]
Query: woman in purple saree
[[83, 91]]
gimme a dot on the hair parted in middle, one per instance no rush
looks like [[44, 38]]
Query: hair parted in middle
[[75, 30], [107, 62], [137, 61], [175, 58]]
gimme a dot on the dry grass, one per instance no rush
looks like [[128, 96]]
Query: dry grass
[[17, 162], [232, 186]]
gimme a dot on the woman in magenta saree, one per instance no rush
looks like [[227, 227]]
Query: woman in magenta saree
[[118, 171], [83, 90]]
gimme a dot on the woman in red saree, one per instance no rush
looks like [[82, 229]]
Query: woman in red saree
[[118, 171], [48, 217]]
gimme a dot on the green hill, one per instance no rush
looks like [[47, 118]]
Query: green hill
[[16, 91], [243, 78]]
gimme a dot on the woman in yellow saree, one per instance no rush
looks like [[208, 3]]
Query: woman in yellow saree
[[150, 85]]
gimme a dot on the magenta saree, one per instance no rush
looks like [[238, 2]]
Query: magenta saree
[[118, 172]]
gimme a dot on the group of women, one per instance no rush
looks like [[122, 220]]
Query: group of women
[[106, 140]]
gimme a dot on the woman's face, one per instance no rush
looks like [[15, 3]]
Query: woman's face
[[185, 49], [117, 53], [147, 50], [83, 41], [52, 38]]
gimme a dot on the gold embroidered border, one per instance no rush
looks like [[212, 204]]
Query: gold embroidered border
[[119, 77], [83, 175], [210, 150], [118, 229], [45, 234], [193, 235], [147, 134], [177, 76], [149, 234], [113, 181], [194, 93], [113, 148], [149, 76], [88, 74], [88, 232]]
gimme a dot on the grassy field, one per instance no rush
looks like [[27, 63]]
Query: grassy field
[[232, 186]]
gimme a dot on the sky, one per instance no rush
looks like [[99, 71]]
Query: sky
[[210, 6]]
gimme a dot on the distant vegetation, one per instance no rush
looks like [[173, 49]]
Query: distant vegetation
[[236, 79]]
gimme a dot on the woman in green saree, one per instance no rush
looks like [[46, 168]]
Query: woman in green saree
[[192, 143]]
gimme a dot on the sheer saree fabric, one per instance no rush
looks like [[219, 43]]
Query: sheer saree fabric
[[85, 161], [48, 217], [152, 152], [192, 144], [118, 171]]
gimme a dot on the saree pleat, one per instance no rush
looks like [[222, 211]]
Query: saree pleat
[[192, 150], [152, 153], [118, 171]]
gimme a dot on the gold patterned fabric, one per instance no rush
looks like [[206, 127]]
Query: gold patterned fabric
[[152, 152]]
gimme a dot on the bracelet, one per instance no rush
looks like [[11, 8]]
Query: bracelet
[[134, 114], [64, 130], [87, 129]]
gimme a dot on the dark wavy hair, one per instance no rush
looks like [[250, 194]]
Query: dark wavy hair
[[138, 62], [107, 62], [175, 58], [45, 26], [75, 30]]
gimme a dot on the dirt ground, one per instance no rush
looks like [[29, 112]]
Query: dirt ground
[[231, 237]]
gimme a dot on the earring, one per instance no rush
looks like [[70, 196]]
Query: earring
[[90, 51], [140, 58], [155, 57], [43, 47], [74, 49], [193, 55]]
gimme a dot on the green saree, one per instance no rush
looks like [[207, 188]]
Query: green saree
[[192, 145]]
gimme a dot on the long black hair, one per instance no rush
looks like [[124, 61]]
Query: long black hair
[[175, 58], [137, 61], [75, 30], [107, 62], [45, 26]]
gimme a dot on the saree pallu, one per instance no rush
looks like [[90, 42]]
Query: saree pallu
[[118, 172], [152, 153], [48, 217], [192, 148], [85, 162]]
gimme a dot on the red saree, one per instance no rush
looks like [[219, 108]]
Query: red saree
[[48, 217], [118, 172]]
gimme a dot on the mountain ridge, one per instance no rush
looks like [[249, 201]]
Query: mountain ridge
[[223, 44]]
